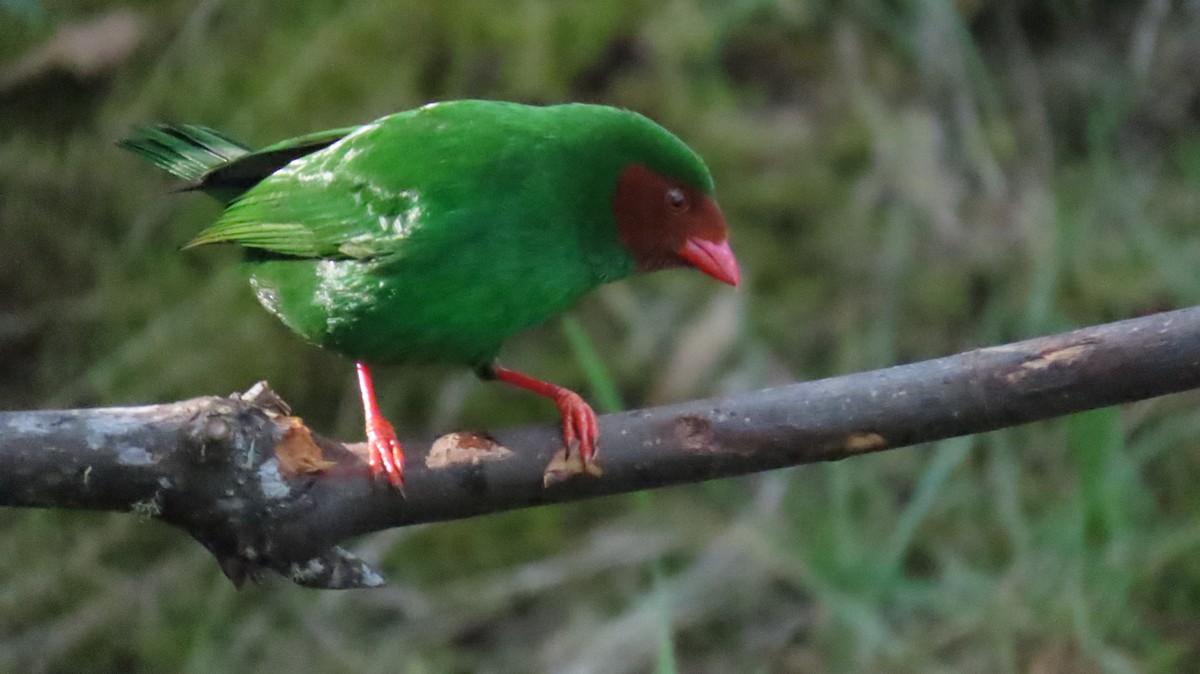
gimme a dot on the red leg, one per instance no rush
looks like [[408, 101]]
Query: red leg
[[579, 421], [385, 456]]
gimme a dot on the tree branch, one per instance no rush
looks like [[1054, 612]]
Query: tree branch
[[251, 484]]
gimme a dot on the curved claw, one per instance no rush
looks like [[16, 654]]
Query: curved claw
[[384, 455], [579, 426]]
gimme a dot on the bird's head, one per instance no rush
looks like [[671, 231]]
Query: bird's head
[[666, 223]]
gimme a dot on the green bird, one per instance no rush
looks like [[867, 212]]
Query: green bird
[[437, 233]]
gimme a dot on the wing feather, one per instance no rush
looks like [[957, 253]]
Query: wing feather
[[324, 205]]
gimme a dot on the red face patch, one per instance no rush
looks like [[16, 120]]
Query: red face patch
[[660, 221]]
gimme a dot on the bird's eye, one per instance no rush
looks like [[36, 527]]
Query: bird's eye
[[676, 200]]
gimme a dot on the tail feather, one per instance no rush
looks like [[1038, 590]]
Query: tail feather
[[184, 150]]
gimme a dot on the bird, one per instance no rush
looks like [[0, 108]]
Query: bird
[[434, 234]]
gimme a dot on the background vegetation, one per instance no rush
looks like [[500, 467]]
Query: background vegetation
[[904, 179]]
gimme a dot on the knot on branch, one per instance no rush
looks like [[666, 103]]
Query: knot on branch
[[241, 486]]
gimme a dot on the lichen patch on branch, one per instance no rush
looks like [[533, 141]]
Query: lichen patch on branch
[[271, 480], [135, 456]]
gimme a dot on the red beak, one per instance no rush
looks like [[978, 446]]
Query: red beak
[[714, 258]]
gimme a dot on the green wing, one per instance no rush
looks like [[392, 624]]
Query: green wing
[[322, 205]]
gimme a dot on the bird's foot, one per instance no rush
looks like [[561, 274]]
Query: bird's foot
[[581, 434], [581, 431], [384, 454]]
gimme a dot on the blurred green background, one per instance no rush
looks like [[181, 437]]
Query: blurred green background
[[904, 179]]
